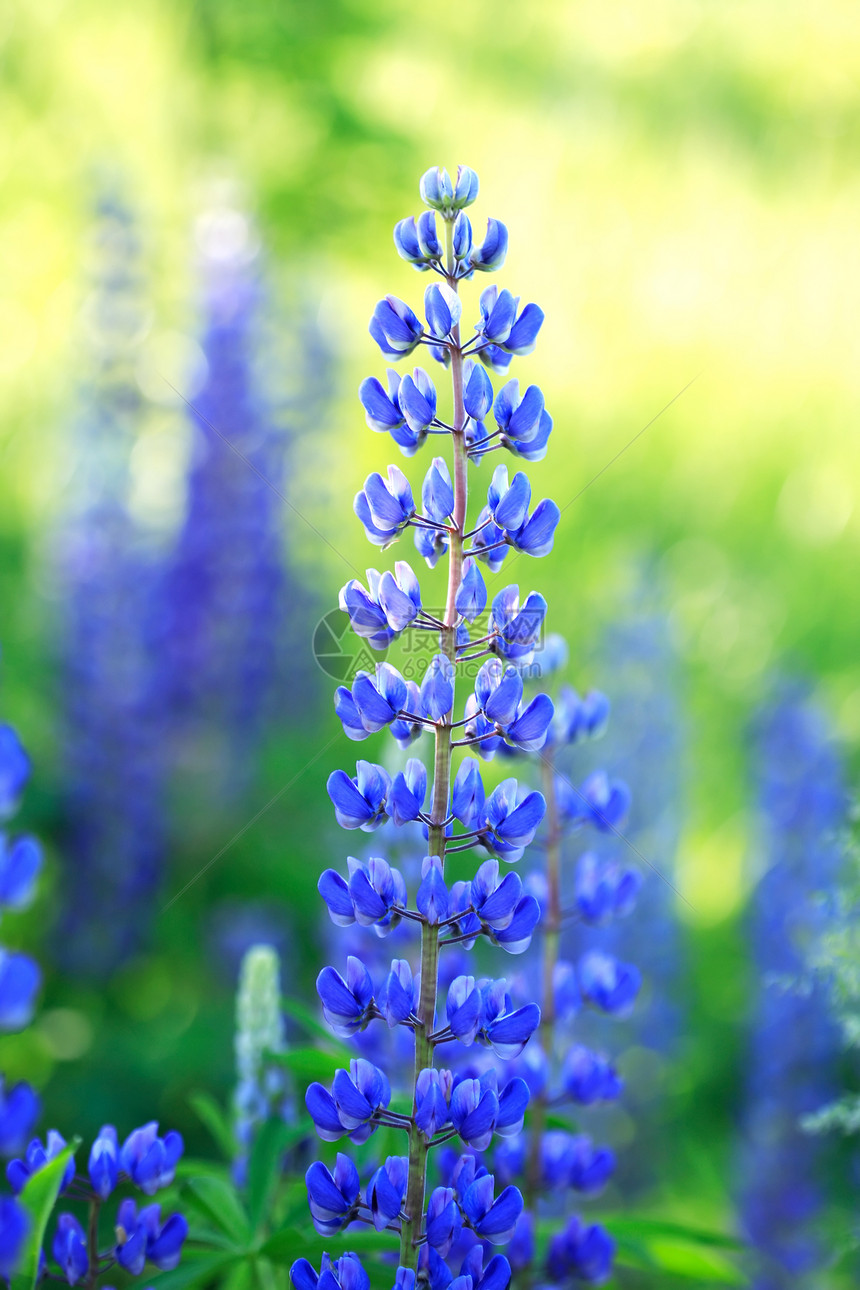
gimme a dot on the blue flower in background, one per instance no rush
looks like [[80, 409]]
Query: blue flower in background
[[794, 1047]]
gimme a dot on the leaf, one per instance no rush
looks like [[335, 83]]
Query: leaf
[[38, 1198], [211, 1115], [195, 1167], [623, 1225], [290, 1243], [193, 1270], [272, 1139], [208, 1236], [675, 1249], [310, 1063], [219, 1201]]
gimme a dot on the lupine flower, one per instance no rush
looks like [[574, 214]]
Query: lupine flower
[[14, 1226], [418, 402], [469, 796], [150, 1161], [491, 253], [511, 819], [20, 863], [386, 1190], [608, 983], [381, 406], [104, 1161], [504, 1028], [493, 1218], [432, 898], [373, 895], [333, 1197], [360, 803], [70, 1249], [432, 1094], [467, 1101], [395, 328], [589, 1078], [14, 771], [396, 999], [385, 507], [346, 1003], [794, 1046], [19, 984], [582, 1252], [604, 890], [408, 792], [438, 192], [260, 1087], [442, 307], [19, 1111], [141, 1236], [444, 1221], [345, 1273], [578, 718], [517, 627], [471, 598], [374, 702], [436, 694], [35, 1158]]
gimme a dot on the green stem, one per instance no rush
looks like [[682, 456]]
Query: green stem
[[551, 930], [416, 1186], [93, 1240]]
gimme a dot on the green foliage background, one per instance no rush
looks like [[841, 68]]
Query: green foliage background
[[681, 185]]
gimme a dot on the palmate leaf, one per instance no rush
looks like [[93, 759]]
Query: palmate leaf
[[212, 1116], [220, 1204], [292, 1243], [311, 1063], [264, 1169], [38, 1198], [195, 1269]]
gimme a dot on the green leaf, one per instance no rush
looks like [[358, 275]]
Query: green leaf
[[675, 1250], [311, 1063], [633, 1226], [195, 1167], [272, 1140], [38, 1198], [193, 1270], [290, 1243], [219, 1202], [211, 1115], [214, 1240]]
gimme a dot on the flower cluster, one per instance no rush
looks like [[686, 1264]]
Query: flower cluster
[[570, 972], [20, 862], [439, 1000], [260, 1090], [794, 1045], [484, 1187], [225, 584], [114, 719], [146, 1161]]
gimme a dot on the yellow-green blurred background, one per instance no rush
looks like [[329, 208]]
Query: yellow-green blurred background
[[681, 185]]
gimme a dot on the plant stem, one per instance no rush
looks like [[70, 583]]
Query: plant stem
[[551, 929], [93, 1240], [414, 1204]]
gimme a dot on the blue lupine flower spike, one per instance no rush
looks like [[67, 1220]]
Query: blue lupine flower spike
[[399, 1010]]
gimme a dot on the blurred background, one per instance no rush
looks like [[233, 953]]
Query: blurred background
[[196, 204]]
